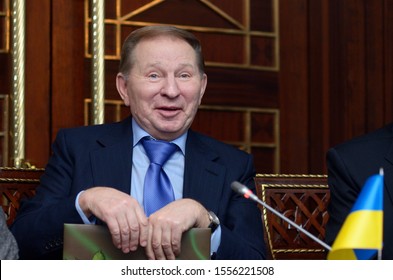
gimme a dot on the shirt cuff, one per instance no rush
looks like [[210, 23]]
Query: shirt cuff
[[215, 240], [85, 219]]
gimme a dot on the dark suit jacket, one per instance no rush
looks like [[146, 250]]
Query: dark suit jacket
[[101, 156], [349, 166]]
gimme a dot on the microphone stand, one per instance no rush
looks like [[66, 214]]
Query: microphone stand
[[247, 193]]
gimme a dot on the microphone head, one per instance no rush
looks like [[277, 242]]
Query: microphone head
[[239, 188], [243, 190]]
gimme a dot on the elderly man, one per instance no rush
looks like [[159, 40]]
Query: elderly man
[[110, 173]]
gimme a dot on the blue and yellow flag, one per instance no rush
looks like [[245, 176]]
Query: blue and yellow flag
[[360, 237]]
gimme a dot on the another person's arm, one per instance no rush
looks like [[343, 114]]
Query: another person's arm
[[8, 245], [343, 193]]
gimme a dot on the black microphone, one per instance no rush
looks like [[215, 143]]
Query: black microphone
[[247, 193]]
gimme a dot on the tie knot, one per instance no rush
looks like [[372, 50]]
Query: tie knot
[[158, 151]]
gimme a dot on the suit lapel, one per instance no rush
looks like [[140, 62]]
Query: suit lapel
[[111, 162], [203, 177]]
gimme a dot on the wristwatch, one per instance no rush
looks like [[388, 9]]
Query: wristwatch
[[214, 221]]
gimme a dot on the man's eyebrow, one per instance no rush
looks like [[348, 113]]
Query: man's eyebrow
[[158, 64], [187, 65]]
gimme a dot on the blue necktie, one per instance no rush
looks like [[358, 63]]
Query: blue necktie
[[157, 190]]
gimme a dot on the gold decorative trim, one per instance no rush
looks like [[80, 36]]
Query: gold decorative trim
[[18, 82], [26, 172], [138, 11], [299, 250], [18, 180], [98, 61], [225, 15], [295, 186], [21, 169], [117, 103], [291, 175], [266, 224]]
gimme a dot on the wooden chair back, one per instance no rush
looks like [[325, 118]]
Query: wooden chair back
[[16, 185], [304, 200]]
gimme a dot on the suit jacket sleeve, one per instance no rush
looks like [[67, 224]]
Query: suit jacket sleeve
[[38, 227], [343, 193], [83, 157], [210, 168], [242, 232]]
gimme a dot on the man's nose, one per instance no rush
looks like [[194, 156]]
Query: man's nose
[[171, 87]]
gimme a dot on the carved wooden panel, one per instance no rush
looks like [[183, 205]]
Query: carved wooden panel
[[16, 185], [301, 198]]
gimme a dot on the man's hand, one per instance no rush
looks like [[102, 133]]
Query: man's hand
[[167, 225], [123, 215]]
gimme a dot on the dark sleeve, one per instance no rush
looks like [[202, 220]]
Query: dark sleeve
[[242, 232], [343, 193], [8, 246], [38, 227]]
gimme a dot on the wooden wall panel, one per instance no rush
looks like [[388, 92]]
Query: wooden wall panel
[[348, 72], [335, 76], [319, 85], [374, 63], [5, 73], [361, 65], [293, 86], [241, 87], [388, 60], [334, 79], [38, 82], [69, 71]]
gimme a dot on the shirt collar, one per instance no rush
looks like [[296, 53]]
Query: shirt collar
[[138, 133]]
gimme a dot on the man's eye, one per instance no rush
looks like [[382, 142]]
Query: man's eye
[[185, 76], [153, 76]]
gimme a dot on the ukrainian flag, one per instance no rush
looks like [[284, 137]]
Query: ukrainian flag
[[360, 237]]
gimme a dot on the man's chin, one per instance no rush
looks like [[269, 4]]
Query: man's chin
[[171, 131]]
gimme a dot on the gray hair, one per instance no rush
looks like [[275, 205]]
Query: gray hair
[[127, 61]]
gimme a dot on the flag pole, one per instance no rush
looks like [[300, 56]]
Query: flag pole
[[380, 251]]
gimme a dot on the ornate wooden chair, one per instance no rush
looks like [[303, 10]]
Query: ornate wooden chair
[[16, 185], [304, 200]]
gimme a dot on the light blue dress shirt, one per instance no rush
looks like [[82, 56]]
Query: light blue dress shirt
[[174, 168]]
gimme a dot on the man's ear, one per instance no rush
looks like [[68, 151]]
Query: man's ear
[[121, 85], [203, 87]]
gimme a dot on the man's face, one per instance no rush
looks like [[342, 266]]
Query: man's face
[[164, 87]]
